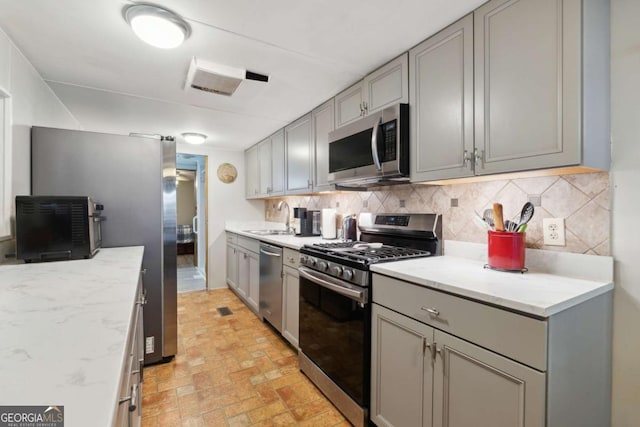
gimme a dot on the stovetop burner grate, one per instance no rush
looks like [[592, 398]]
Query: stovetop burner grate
[[366, 253]]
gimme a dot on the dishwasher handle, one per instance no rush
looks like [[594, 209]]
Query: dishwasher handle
[[262, 251]]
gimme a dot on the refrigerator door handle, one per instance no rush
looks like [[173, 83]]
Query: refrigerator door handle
[[194, 223]]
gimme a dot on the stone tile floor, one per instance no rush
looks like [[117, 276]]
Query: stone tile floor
[[230, 371]]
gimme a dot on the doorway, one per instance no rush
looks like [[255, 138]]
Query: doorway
[[191, 198]]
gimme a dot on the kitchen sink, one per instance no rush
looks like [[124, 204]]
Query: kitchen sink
[[269, 232]]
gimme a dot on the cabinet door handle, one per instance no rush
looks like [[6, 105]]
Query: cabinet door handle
[[366, 108], [425, 346], [478, 155], [132, 399], [466, 158], [431, 311]]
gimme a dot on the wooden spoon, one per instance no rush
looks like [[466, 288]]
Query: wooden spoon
[[497, 217]]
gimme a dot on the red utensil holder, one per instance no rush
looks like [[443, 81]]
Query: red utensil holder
[[506, 250]]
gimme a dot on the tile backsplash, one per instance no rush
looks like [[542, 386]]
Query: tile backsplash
[[582, 199]]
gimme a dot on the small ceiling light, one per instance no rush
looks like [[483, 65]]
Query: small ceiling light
[[194, 138], [156, 26]]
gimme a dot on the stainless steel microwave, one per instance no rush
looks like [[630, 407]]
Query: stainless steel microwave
[[371, 151], [57, 227]]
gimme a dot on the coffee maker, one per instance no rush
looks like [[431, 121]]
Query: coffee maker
[[309, 222]]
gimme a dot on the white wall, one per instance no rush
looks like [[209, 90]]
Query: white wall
[[32, 103], [226, 202], [186, 202], [625, 184]]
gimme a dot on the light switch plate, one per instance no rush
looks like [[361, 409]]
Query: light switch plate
[[553, 229]]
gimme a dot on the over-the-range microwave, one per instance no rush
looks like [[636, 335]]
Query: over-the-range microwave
[[371, 151]]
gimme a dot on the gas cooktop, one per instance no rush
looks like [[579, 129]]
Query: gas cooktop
[[366, 253]]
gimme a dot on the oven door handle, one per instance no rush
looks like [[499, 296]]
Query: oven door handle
[[333, 285]]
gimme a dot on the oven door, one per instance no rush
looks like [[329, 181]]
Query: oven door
[[335, 328]]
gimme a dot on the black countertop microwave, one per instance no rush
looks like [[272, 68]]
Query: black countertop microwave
[[52, 228]]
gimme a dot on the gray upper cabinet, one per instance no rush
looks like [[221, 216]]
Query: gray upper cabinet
[[529, 85], [270, 162], [252, 189], [277, 163], [349, 104], [323, 123], [385, 86], [298, 152], [441, 91], [264, 168]]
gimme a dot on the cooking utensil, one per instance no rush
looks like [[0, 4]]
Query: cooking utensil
[[522, 228], [497, 217], [525, 215], [487, 216], [480, 221], [510, 225]]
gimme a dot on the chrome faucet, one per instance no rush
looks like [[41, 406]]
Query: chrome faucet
[[288, 219]]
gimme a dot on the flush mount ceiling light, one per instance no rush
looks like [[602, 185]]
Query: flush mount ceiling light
[[194, 138], [156, 26]]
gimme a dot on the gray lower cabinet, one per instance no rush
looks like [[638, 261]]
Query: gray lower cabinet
[[441, 360], [247, 270], [476, 387], [232, 266], [401, 370], [323, 123], [441, 90], [248, 277], [298, 152], [130, 392], [425, 377], [290, 295]]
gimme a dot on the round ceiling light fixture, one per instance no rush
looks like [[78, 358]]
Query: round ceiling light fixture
[[157, 26], [194, 137]]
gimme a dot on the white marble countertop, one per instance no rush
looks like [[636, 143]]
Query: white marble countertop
[[63, 329], [288, 241], [536, 293]]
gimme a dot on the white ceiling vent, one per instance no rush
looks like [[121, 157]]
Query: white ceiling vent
[[220, 79]]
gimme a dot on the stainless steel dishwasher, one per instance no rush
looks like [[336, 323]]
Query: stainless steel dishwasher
[[271, 284]]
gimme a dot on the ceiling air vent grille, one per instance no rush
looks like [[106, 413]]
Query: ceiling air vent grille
[[219, 79]]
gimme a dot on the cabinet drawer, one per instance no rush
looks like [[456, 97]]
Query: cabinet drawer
[[513, 335], [232, 238], [291, 258], [249, 244]]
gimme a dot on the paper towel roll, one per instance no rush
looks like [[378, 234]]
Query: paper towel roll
[[328, 223]]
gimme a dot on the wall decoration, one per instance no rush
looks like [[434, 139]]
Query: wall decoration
[[227, 173]]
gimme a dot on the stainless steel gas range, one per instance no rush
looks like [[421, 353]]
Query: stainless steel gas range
[[335, 310]]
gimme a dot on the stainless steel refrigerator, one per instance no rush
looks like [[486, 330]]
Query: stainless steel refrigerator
[[135, 179]]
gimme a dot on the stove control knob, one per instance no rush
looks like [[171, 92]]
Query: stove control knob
[[312, 262], [347, 274], [303, 259], [323, 266], [337, 270]]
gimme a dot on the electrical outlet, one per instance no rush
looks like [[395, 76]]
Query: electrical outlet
[[553, 229], [150, 345]]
